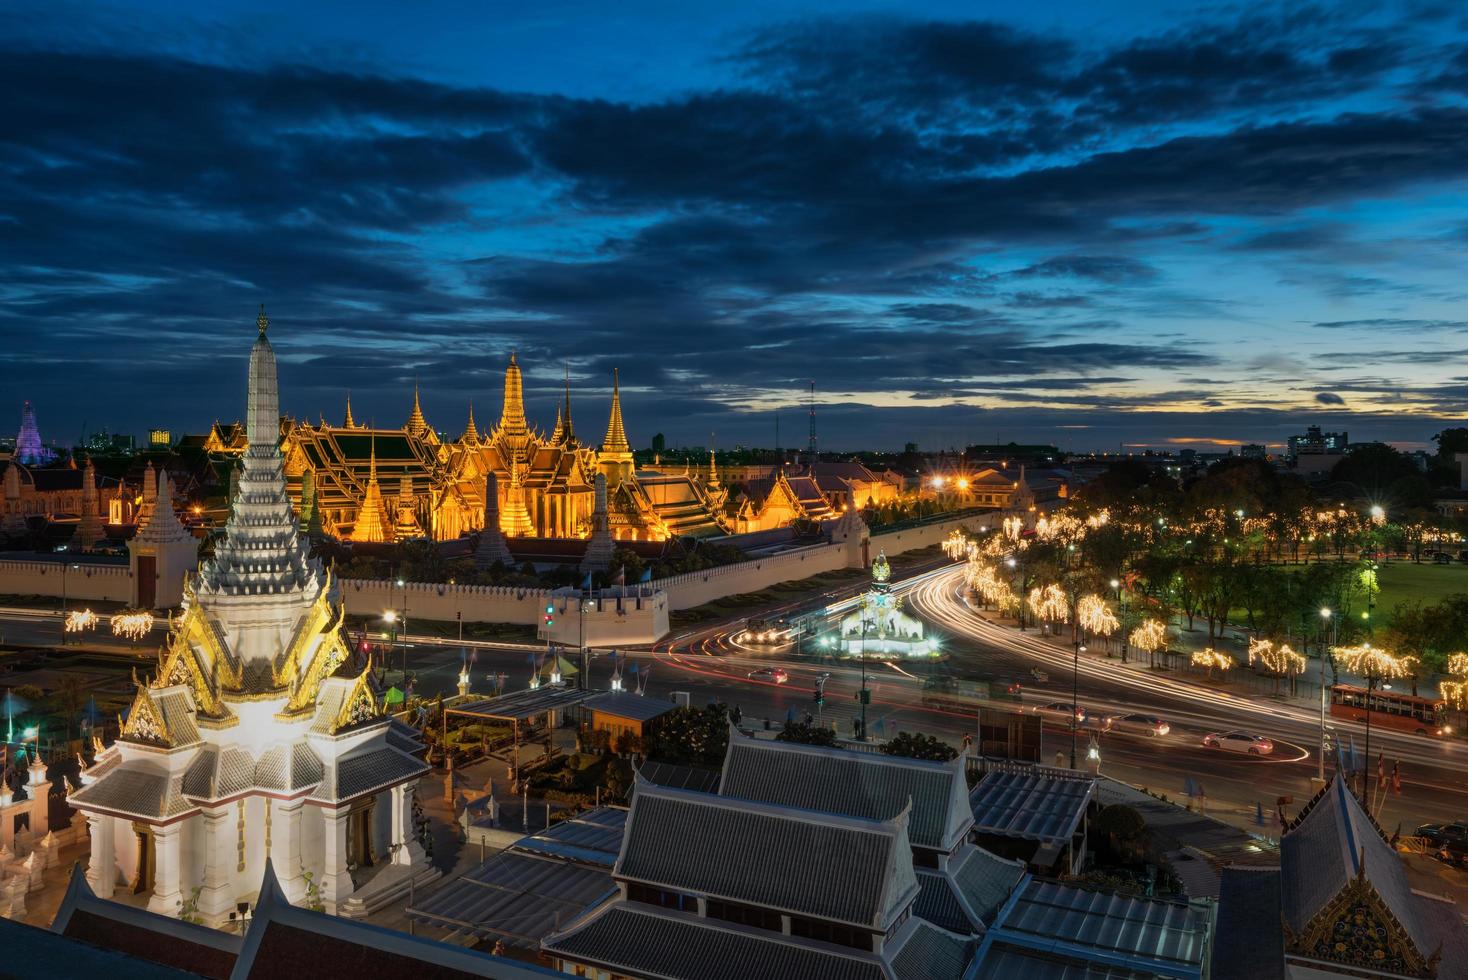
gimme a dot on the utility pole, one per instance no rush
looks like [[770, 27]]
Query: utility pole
[[1326, 617]]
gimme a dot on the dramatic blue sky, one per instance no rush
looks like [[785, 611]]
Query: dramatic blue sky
[[1093, 224]]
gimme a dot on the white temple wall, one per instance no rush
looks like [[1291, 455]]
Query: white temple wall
[[255, 807], [96, 583], [125, 844], [313, 842], [477, 603], [382, 828], [191, 853], [608, 620]]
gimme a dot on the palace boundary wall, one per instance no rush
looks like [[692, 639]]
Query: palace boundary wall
[[108, 583]]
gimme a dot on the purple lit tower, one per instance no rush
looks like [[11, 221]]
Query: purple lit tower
[[28, 448]]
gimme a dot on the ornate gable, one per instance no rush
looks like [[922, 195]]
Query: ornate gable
[[1356, 929], [358, 706], [145, 722]]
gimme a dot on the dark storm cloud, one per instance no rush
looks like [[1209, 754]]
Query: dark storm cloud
[[843, 212], [1329, 398]]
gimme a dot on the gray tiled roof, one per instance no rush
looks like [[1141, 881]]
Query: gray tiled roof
[[329, 699], [853, 784], [367, 772], [646, 942], [1322, 853], [965, 896], [930, 953], [136, 790], [1248, 940], [216, 774], [985, 880], [178, 716], [811, 864], [1165, 937], [938, 902], [515, 896], [1030, 805]]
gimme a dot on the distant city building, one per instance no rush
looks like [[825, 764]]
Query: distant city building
[[1317, 443], [1013, 450], [160, 438], [659, 443], [28, 448], [1253, 450]]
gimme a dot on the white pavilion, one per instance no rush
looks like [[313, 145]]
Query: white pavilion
[[879, 627], [250, 743]]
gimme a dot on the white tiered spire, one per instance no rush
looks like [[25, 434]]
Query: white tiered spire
[[262, 553]]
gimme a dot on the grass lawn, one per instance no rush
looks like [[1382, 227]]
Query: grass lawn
[[1406, 582], [1400, 581]]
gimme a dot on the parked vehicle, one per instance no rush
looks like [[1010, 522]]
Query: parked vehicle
[[1246, 742], [1450, 840], [1135, 724]]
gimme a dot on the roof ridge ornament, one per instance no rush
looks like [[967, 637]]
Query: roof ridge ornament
[[262, 321]]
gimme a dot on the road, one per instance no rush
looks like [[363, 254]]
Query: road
[[715, 661]]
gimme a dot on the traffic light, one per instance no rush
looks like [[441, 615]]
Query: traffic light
[[819, 697], [549, 618]]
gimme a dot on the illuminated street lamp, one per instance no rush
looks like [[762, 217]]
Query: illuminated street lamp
[[1325, 617]]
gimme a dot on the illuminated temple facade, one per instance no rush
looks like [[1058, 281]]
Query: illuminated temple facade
[[367, 484], [259, 738]]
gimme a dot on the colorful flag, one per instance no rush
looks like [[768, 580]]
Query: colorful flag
[[621, 578], [646, 574], [1380, 771], [1397, 777]]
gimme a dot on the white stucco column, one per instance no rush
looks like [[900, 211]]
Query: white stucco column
[[406, 849], [217, 899], [285, 848], [102, 870], [336, 881], [167, 870]]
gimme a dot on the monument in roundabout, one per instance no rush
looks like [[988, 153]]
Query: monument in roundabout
[[258, 736], [878, 627]]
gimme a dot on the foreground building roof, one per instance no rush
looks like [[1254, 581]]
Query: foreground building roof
[[853, 784], [643, 941], [803, 862], [280, 940]]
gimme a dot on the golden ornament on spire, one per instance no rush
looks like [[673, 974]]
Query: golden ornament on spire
[[262, 321], [616, 440]]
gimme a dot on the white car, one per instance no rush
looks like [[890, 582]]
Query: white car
[[1140, 725], [774, 674], [1246, 742]]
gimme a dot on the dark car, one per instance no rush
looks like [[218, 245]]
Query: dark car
[[1451, 839]]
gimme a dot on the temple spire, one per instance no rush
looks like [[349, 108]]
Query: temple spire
[[512, 417], [417, 424], [569, 433], [471, 431], [616, 440], [349, 422], [262, 321]]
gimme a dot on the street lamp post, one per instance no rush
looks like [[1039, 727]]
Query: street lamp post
[[403, 633], [864, 695], [1075, 689], [64, 566], [1326, 617]]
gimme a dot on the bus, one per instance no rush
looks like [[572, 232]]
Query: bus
[[1391, 709]]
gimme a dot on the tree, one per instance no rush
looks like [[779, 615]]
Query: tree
[[916, 745], [803, 734], [70, 695], [692, 736], [1372, 468]]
